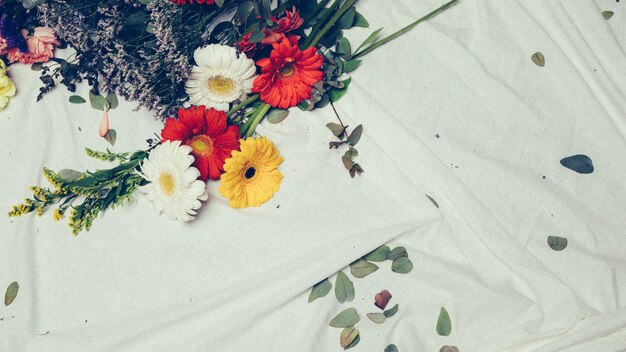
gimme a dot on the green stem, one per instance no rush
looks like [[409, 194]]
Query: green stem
[[346, 6], [402, 31], [256, 118], [242, 105]]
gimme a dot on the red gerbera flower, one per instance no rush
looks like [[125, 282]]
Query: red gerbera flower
[[290, 22], [184, 2], [208, 135], [288, 75]]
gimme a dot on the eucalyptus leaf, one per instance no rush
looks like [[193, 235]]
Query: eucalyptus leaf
[[351, 65], [447, 348], [219, 3], [538, 59], [360, 21], [343, 48], [355, 136], [346, 21], [277, 116], [11, 293], [77, 99], [345, 319], [348, 335], [112, 99], [336, 128], [444, 325], [361, 268], [111, 136], [397, 253], [354, 343], [98, 102], [335, 94], [344, 288], [391, 348], [37, 66], [557, 243], [607, 14], [321, 289], [378, 255], [391, 311], [347, 162], [377, 318], [433, 201], [402, 265]]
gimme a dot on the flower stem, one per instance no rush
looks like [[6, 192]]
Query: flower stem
[[256, 118], [403, 30], [346, 6], [242, 105]]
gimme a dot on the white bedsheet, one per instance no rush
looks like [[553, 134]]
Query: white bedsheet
[[455, 109]]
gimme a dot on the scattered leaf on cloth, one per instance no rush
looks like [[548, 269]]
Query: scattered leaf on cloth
[[348, 336], [345, 319], [444, 325], [433, 201], [382, 299], [397, 253], [377, 318], [11, 293], [77, 99], [378, 255], [557, 243], [538, 59], [344, 288], [391, 312], [391, 348], [579, 163], [361, 268], [607, 14], [402, 265], [447, 348], [320, 290], [111, 136]]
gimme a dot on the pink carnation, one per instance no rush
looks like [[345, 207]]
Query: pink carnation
[[40, 46], [3, 46]]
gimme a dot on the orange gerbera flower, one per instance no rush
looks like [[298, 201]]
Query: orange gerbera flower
[[288, 75], [208, 135]]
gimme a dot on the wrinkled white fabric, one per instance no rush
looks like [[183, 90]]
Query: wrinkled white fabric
[[454, 109]]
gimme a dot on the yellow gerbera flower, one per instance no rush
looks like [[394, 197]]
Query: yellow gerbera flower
[[251, 175]]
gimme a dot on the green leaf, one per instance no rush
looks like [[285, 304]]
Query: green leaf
[[69, 175], [360, 21], [98, 102], [320, 290], [112, 99], [347, 19], [344, 288], [557, 243], [391, 312], [397, 253], [37, 66], [391, 348], [354, 343], [111, 136], [347, 162], [343, 48], [433, 201], [355, 136], [277, 116], [377, 318], [335, 93], [351, 65], [538, 59], [11, 293], [369, 39], [444, 325], [244, 10], [336, 128], [77, 99], [347, 337], [256, 37], [377, 255], [219, 3], [345, 319], [607, 14], [361, 268], [402, 265]]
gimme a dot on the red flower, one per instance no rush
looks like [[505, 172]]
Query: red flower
[[184, 2], [288, 75], [290, 22], [208, 135]]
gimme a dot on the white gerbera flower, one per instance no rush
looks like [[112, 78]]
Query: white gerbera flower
[[220, 77], [174, 188]]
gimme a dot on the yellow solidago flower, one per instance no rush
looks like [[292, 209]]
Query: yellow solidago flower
[[251, 175], [57, 215], [7, 88]]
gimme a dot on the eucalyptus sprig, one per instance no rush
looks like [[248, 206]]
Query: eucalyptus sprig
[[86, 194]]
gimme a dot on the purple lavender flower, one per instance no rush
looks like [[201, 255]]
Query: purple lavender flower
[[10, 31]]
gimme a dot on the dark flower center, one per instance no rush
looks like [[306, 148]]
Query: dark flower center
[[287, 70], [250, 172]]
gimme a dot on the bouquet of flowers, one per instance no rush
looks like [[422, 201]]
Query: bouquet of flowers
[[212, 70]]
